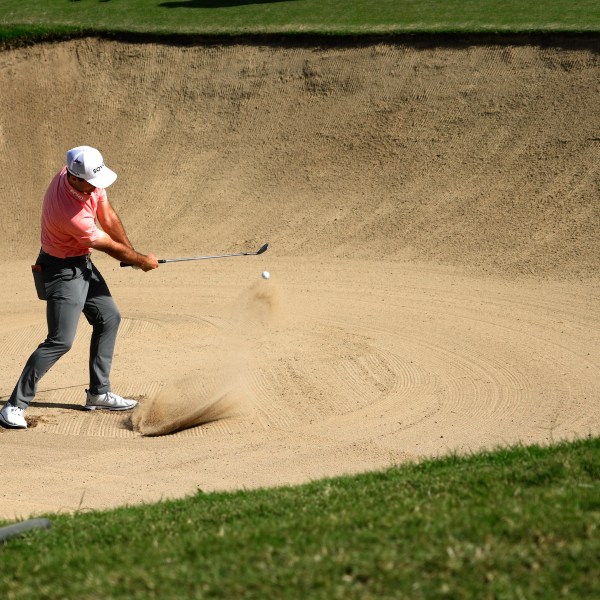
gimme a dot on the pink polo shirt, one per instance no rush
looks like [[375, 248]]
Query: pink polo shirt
[[69, 218]]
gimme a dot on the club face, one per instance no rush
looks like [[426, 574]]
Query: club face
[[263, 249]]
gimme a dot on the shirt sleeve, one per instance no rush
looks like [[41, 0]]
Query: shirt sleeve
[[83, 226], [84, 229]]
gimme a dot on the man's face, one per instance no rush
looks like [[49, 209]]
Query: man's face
[[81, 185]]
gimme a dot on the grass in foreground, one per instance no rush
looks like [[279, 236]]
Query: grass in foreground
[[295, 16], [515, 523]]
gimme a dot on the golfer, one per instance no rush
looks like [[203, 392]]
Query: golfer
[[71, 283]]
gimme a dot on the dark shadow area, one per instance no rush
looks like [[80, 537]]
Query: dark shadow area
[[556, 39], [35, 404], [216, 3]]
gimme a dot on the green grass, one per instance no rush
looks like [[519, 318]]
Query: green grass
[[182, 17], [514, 523]]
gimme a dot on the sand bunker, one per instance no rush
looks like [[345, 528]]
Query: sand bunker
[[432, 215]]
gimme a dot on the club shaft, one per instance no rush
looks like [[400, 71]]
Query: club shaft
[[168, 260]]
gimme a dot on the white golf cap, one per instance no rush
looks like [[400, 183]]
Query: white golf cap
[[87, 163]]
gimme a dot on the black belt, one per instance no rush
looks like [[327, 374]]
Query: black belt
[[70, 260]]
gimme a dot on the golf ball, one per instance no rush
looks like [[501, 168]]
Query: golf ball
[[266, 274]]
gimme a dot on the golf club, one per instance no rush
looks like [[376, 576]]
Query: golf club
[[262, 249]]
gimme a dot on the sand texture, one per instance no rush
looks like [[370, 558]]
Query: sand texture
[[433, 222]]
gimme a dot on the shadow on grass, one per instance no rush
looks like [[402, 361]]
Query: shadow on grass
[[215, 3]]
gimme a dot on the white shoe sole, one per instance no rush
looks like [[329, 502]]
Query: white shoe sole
[[101, 407], [10, 425]]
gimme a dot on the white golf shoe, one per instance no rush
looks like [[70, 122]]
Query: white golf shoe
[[108, 401], [13, 417]]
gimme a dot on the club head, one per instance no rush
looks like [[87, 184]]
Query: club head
[[263, 249]]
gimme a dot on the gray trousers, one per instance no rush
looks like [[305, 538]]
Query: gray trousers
[[73, 286]]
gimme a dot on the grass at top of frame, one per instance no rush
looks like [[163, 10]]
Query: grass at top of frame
[[31, 18], [522, 522]]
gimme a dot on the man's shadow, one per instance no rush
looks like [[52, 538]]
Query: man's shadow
[[126, 422], [215, 3], [35, 404]]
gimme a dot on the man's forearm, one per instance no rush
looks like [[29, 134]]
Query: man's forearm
[[111, 223], [118, 250], [123, 253], [114, 241], [114, 228]]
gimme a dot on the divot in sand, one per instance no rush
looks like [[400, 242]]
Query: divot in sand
[[199, 399], [183, 404]]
